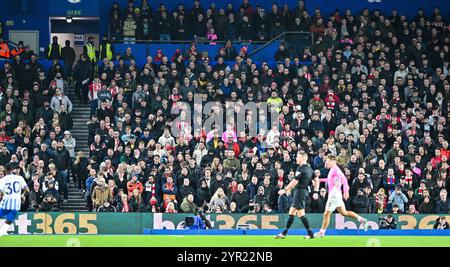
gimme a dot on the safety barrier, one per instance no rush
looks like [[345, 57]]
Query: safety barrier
[[302, 232], [135, 223]]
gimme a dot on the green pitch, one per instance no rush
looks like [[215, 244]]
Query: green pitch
[[219, 241]]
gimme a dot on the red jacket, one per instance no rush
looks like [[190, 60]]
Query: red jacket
[[235, 148], [131, 186]]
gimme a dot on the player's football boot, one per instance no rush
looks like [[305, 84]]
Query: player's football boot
[[280, 236], [319, 235], [365, 224], [308, 236]]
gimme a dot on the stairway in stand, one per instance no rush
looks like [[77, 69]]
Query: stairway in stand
[[80, 117]]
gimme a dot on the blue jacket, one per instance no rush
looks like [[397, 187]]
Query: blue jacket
[[198, 223], [89, 182]]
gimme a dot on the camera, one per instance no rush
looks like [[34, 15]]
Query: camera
[[382, 221]]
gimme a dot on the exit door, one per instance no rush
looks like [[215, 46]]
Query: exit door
[[77, 32], [77, 41]]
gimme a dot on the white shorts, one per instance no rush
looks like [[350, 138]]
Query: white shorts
[[333, 203]]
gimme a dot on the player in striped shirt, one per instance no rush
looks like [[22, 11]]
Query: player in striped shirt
[[335, 181], [12, 189]]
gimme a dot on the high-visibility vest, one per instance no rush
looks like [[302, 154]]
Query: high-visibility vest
[[4, 50], [16, 52], [109, 53], [50, 50], [91, 52]]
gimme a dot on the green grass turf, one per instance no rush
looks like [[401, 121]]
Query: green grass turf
[[219, 241]]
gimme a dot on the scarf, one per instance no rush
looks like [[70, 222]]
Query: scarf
[[125, 208], [390, 179]]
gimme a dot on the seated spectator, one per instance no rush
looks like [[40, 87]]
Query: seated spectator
[[49, 204], [123, 205], [441, 223], [36, 196], [219, 200], [135, 200], [388, 222], [171, 208], [427, 207], [169, 189], [107, 207], [381, 201], [318, 201], [134, 184], [100, 194], [188, 204]]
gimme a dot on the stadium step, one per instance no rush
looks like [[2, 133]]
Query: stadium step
[[80, 116]]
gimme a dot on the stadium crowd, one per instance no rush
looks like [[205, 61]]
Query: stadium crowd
[[374, 92]]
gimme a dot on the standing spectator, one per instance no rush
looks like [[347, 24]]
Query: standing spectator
[[80, 170], [62, 161], [70, 144], [360, 202], [100, 194], [282, 53], [144, 30], [82, 75], [180, 28], [398, 198], [58, 100], [116, 27], [68, 56], [129, 29], [442, 203], [163, 27], [230, 51]]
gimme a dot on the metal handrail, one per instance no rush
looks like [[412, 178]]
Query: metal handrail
[[183, 41], [274, 39]]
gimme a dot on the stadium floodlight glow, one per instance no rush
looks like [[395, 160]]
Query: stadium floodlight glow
[[69, 19]]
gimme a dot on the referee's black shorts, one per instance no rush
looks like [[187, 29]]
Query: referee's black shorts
[[299, 201]]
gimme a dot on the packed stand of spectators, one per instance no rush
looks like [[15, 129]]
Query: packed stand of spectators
[[244, 23], [375, 94], [35, 124]]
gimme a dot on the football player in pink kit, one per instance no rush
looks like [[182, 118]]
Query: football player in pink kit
[[335, 180]]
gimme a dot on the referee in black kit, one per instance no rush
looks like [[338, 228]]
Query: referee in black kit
[[302, 180]]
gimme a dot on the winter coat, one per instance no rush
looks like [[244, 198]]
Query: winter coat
[[129, 28], [241, 200], [188, 207], [100, 195], [360, 204]]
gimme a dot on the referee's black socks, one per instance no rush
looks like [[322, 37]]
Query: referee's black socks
[[306, 224], [288, 224]]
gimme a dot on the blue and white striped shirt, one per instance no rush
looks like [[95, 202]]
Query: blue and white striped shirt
[[11, 187]]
